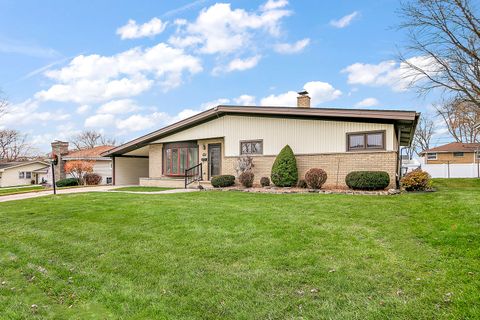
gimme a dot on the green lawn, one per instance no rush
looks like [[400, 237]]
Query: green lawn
[[15, 190], [142, 189], [235, 255]]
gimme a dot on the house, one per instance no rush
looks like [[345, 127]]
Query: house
[[23, 173], [102, 165], [337, 140], [452, 160], [455, 152]]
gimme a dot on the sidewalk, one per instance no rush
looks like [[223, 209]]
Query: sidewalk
[[30, 195]]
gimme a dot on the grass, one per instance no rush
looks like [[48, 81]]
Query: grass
[[15, 190], [235, 255], [142, 189]]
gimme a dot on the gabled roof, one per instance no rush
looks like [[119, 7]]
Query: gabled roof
[[454, 147], [405, 121], [94, 153], [11, 165]]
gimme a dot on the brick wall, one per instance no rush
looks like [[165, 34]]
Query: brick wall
[[468, 157], [336, 165]]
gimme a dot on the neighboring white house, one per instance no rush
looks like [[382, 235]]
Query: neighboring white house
[[22, 173], [102, 165]]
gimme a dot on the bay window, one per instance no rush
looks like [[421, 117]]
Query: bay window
[[179, 156]]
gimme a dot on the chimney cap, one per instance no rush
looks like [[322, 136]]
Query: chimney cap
[[303, 93]]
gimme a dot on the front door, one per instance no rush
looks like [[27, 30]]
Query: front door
[[214, 160]]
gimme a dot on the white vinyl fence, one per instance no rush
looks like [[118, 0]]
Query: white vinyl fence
[[452, 170]]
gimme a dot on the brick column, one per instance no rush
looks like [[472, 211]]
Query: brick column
[[60, 149]]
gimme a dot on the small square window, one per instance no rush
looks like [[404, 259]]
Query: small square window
[[458, 154], [28, 175], [431, 156], [21, 175], [251, 147], [109, 180]]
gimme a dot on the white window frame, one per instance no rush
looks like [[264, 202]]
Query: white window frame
[[259, 152], [28, 173], [432, 153], [21, 174]]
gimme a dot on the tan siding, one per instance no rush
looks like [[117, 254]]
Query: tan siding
[[304, 136], [10, 176], [103, 168], [155, 160], [468, 157], [130, 170]]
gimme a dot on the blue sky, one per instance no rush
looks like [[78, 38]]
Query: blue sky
[[129, 67]]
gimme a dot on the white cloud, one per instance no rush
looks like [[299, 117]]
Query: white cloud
[[27, 112], [84, 108], [367, 102], [213, 103], [221, 29], [319, 92], [133, 31], [100, 121], [344, 21], [245, 100], [289, 48], [387, 73], [96, 78], [118, 107], [139, 122], [239, 64]]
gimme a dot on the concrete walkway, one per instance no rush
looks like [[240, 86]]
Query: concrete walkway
[[29, 195]]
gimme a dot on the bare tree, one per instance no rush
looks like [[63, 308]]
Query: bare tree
[[445, 34], [13, 145], [90, 139], [3, 103], [460, 118]]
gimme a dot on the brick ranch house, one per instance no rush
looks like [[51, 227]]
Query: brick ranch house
[[102, 165], [337, 140]]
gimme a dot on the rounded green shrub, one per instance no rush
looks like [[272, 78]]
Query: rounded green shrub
[[315, 178], [284, 169], [68, 182], [223, 181], [246, 178], [367, 180]]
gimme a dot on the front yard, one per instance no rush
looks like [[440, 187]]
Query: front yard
[[223, 255]]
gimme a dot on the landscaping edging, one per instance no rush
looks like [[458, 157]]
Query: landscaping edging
[[276, 190]]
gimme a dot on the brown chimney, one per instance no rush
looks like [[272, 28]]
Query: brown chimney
[[303, 100], [59, 148]]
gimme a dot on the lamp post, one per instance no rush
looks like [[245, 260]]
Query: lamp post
[[54, 162]]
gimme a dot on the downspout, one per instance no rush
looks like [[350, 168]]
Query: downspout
[[113, 170], [399, 158]]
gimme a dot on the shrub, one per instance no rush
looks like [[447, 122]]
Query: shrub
[[284, 169], [367, 180], [246, 179], [315, 178], [223, 181], [416, 180], [302, 184], [68, 182], [92, 179], [265, 181]]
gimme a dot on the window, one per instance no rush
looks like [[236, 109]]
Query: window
[[478, 155], [109, 180], [178, 157], [251, 147], [21, 175], [458, 154], [28, 175], [431, 156], [365, 141]]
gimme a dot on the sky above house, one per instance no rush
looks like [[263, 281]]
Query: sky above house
[[126, 68]]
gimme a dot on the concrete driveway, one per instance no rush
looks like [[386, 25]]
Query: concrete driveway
[[29, 195]]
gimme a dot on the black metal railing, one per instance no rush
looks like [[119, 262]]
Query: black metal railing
[[193, 174]]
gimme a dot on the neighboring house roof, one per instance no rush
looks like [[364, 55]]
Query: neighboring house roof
[[11, 165], [405, 121], [88, 154], [454, 147]]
